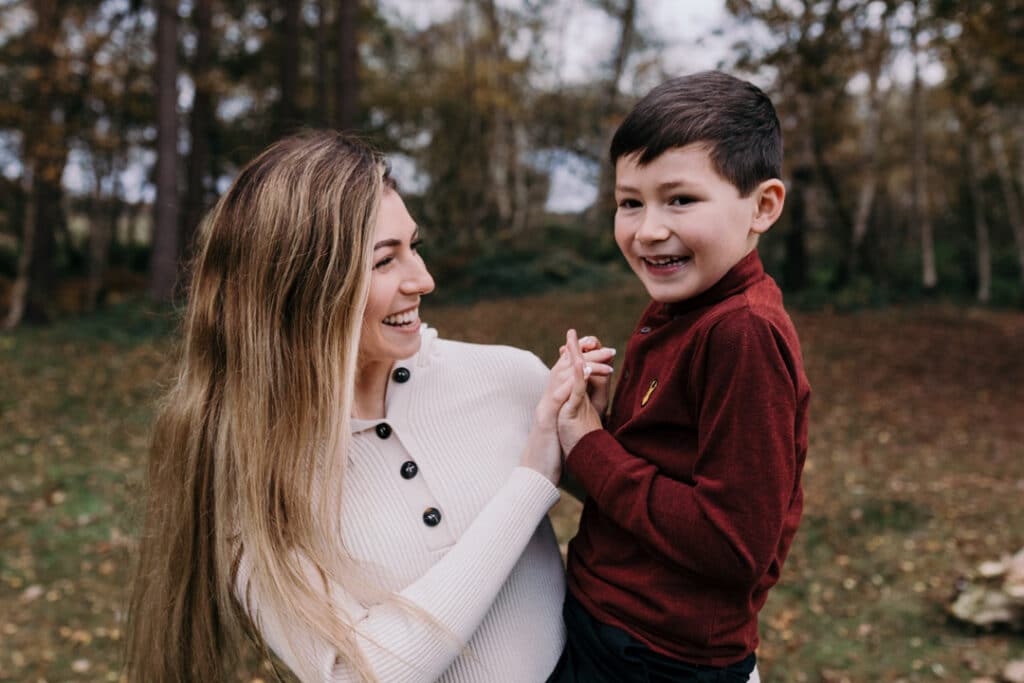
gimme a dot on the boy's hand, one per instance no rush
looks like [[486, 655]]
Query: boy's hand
[[599, 384], [577, 416]]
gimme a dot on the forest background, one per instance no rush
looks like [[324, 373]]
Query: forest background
[[901, 252]]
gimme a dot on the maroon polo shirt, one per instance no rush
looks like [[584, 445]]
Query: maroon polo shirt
[[694, 487]]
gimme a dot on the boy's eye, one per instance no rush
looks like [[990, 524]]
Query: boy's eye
[[629, 204], [682, 200]]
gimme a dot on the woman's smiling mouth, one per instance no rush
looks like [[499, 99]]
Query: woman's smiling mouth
[[404, 318]]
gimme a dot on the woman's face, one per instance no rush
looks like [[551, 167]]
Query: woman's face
[[391, 323]]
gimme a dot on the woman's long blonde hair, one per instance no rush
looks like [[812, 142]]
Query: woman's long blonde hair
[[258, 411]]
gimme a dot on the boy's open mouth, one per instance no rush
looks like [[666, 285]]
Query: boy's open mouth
[[664, 261], [403, 319]]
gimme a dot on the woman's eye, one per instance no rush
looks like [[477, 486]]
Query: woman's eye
[[383, 262]]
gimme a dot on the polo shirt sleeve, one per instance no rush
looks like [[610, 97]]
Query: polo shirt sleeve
[[725, 523], [454, 595]]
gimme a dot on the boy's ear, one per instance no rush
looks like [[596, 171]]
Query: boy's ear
[[769, 198]]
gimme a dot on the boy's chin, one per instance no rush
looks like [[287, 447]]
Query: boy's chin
[[665, 295]]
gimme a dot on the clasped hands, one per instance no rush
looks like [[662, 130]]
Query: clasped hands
[[573, 402]]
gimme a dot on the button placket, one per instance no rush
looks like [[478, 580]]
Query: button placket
[[402, 450]]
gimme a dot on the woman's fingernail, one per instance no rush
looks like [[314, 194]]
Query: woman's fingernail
[[612, 350], [587, 370], [587, 340]]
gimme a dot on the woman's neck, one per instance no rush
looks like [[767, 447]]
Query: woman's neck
[[371, 389]]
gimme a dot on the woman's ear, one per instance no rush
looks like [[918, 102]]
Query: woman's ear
[[769, 197]]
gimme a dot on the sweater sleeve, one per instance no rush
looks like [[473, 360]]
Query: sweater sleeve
[[725, 523], [456, 592]]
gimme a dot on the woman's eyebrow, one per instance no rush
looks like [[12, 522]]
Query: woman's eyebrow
[[394, 242]]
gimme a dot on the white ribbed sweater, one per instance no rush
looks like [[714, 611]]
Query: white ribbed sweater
[[489, 572]]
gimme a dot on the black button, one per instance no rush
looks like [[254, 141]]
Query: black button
[[383, 430], [431, 516], [409, 469], [401, 375], [644, 329]]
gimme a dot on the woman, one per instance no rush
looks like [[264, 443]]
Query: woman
[[364, 498]]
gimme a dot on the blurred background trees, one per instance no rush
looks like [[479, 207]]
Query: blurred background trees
[[122, 120]]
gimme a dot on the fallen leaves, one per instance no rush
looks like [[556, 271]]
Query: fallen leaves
[[914, 476]]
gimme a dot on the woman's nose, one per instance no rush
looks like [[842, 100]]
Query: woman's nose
[[419, 281]]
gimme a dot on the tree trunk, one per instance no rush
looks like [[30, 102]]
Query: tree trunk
[[200, 125], [102, 222], [984, 293], [1013, 206], [501, 160], [19, 292], [794, 269], [45, 153], [872, 134], [929, 275], [346, 93], [163, 264], [322, 113], [520, 180], [604, 206], [288, 64]]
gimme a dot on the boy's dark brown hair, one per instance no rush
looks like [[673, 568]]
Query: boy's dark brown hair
[[734, 118]]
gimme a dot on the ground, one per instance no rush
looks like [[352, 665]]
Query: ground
[[914, 475]]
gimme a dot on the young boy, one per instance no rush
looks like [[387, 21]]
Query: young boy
[[693, 484]]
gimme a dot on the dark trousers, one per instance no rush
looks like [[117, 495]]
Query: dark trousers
[[599, 653]]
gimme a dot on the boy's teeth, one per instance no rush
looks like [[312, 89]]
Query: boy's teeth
[[402, 318], [664, 260]]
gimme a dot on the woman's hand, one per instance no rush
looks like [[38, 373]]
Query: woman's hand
[[543, 452]]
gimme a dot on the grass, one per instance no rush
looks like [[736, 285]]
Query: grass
[[915, 474]]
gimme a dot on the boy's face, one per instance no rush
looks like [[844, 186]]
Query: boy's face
[[680, 225]]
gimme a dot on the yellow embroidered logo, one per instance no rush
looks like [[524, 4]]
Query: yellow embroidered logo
[[650, 390]]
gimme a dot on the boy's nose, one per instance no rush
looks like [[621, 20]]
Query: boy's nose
[[651, 228]]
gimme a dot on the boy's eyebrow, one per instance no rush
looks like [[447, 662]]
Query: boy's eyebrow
[[675, 184], [662, 187], [392, 242]]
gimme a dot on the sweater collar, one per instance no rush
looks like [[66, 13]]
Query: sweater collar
[[740, 277], [397, 391]]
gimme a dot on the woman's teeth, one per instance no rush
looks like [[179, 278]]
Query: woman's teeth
[[399, 319]]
